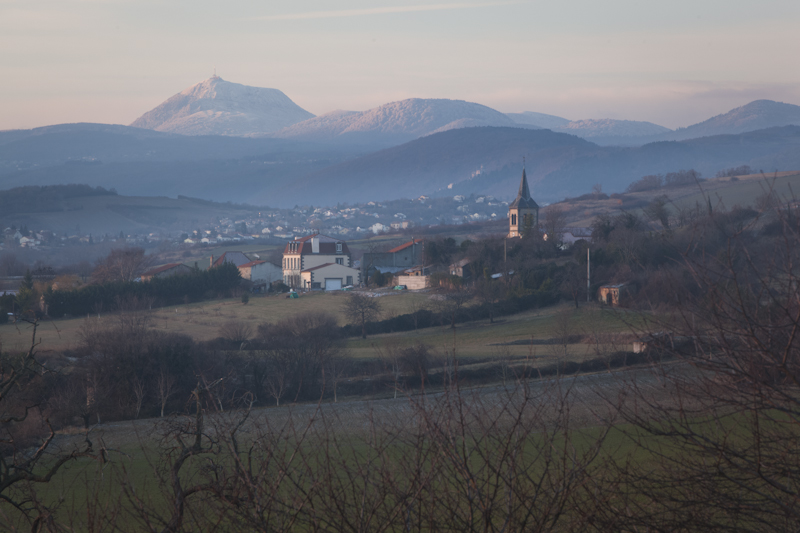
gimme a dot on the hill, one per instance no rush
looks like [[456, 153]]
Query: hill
[[219, 107], [757, 115], [64, 208], [600, 131], [396, 122], [538, 120], [432, 163], [488, 160], [143, 162]]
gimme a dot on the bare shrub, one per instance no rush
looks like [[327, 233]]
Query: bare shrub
[[236, 331], [360, 308]]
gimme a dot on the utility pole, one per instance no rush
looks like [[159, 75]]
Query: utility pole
[[588, 276]]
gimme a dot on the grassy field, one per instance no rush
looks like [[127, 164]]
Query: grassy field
[[202, 320], [478, 339]]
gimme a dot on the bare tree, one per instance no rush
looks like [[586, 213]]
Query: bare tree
[[721, 426], [488, 291], [453, 301], [122, 264], [166, 388], [360, 309], [334, 371], [555, 220], [28, 463], [138, 387]]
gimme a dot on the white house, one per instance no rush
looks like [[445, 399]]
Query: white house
[[312, 251]]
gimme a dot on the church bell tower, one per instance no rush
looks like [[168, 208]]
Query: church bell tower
[[523, 213]]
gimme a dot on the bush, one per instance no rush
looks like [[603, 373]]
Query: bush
[[646, 183], [198, 285]]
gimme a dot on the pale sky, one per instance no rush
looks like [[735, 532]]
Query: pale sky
[[670, 62]]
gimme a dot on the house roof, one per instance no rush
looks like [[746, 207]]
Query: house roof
[[327, 245], [404, 246], [251, 264], [162, 268], [318, 267], [524, 199], [237, 258], [326, 265]]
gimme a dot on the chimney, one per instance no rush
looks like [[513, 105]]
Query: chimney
[[211, 263]]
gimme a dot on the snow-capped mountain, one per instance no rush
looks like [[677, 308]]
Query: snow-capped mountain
[[219, 107], [756, 115], [396, 122]]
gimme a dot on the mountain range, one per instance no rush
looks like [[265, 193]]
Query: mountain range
[[229, 142], [283, 173], [396, 122], [219, 107]]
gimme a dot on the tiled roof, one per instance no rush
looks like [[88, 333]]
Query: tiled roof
[[160, 269], [327, 245], [404, 246], [251, 264], [237, 258]]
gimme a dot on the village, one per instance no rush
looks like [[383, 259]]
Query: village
[[266, 225]]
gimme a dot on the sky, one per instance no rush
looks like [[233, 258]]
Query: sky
[[673, 63]]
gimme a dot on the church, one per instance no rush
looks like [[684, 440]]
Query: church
[[523, 212]]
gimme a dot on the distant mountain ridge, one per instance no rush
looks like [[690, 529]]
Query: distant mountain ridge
[[601, 131], [396, 122], [487, 161], [219, 107], [756, 115]]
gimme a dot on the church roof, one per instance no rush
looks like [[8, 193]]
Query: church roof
[[524, 200]]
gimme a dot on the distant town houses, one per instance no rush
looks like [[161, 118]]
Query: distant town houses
[[271, 225]]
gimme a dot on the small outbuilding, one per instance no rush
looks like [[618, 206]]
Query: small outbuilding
[[612, 294]]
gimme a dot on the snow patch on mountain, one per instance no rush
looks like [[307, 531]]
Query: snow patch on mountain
[[403, 120], [541, 120], [607, 127]]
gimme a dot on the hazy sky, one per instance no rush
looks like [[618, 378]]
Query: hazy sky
[[671, 62]]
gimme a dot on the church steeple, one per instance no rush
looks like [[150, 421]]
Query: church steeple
[[524, 192], [522, 210]]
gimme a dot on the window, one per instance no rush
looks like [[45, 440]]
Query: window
[[349, 280], [340, 260], [513, 219], [339, 248]]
